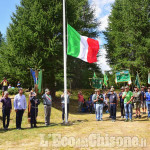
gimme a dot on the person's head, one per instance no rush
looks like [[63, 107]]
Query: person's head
[[18, 81], [4, 78], [135, 88], [6, 94], [20, 91], [127, 88], [142, 88], [122, 89], [47, 91], [112, 90], [98, 91], [149, 89], [80, 92], [89, 99], [9, 84]]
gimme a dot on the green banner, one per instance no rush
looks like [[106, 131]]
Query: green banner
[[123, 76], [148, 78], [105, 79], [97, 83], [137, 81], [40, 81]]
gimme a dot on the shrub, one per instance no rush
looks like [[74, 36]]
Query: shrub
[[13, 91]]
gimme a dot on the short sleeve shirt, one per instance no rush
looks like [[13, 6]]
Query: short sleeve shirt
[[128, 94], [99, 101], [137, 96]]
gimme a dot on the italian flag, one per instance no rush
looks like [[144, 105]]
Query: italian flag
[[82, 47]]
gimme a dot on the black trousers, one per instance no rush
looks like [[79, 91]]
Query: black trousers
[[63, 111], [19, 115], [122, 108], [113, 111], [6, 114], [33, 115]]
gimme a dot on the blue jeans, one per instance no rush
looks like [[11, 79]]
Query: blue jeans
[[128, 110], [99, 111], [113, 111], [148, 108]]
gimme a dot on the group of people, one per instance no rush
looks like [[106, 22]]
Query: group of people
[[5, 85], [20, 105], [128, 100]]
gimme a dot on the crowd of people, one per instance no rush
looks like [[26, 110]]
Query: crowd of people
[[127, 99], [96, 102]]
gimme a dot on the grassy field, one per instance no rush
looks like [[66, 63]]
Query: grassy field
[[80, 133]]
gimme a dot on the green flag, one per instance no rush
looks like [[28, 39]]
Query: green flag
[[137, 81], [105, 79], [148, 78], [123, 76], [96, 82], [40, 81]]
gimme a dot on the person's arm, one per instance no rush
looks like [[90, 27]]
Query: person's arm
[[141, 98], [130, 100], [15, 103], [10, 105], [25, 103], [123, 96], [95, 100]]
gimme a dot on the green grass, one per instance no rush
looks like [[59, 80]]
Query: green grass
[[80, 126]]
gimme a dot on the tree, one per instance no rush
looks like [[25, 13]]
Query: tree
[[34, 39], [128, 37]]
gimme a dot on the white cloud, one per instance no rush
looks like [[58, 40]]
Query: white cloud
[[104, 23], [102, 11], [102, 61]]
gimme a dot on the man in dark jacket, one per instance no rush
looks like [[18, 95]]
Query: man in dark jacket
[[6, 109], [34, 108]]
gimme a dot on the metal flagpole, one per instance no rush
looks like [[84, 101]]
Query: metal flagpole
[[65, 61]]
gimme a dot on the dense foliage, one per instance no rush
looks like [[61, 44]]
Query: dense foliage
[[128, 37], [34, 40]]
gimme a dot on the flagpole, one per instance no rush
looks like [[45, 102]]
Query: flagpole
[[65, 60]]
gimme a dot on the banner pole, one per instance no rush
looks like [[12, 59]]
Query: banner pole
[[65, 61]]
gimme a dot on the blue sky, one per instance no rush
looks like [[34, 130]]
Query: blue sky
[[6, 9], [102, 11]]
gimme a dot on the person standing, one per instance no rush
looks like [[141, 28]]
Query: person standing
[[121, 102], [47, 101], [63, 105], [137, 99], [98, 99], [18, 84], [6, 109], [113, 104], [34, 108], [144, 99], [147, 96], [80, 101], [4, 84], [94, 103], [20, 106], [128, 98]]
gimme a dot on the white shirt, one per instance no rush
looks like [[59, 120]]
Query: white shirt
[[20, 102]]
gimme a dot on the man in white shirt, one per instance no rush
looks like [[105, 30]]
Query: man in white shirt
[[20, 106]]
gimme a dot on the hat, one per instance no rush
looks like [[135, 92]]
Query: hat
[[135, 87], [126, 87], [122, 88], [112, 89], [142, 86], [148, 87], [97, 90], [47, 90]]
